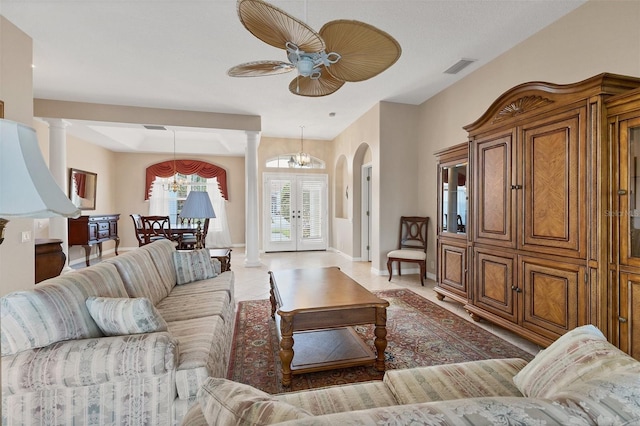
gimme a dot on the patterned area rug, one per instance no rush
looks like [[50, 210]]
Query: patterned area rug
[[419, 333]]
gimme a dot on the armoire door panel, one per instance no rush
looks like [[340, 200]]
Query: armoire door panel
[[453, 268], [628, 214], [549, 295], [629, 315], [553, 196], [494, 283], [493, 202]]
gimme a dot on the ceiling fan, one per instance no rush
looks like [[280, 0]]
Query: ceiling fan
[[343, 50]]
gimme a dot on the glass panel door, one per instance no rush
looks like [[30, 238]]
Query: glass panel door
[[454, 198], [295, 212], [629, 213], [312, 213], [634, 189]]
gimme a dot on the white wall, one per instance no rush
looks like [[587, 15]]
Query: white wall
[[600, 36], [17, 269]]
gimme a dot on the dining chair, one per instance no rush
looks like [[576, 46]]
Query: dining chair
[[188, 239], [412, 245], [137, 227], [157, 227]]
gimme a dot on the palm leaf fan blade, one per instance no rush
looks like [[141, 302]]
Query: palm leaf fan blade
[[276, 27], [314, 87], [260, 68], [365, 50]]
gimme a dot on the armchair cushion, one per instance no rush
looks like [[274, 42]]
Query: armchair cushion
[[227, 402], [611, 399], [87, 362], [578, 356], [193, 266], [122, 316]]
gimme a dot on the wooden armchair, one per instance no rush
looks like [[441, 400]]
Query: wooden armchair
[[412, 245]]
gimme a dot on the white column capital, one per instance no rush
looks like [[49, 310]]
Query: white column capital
[[57, 122]]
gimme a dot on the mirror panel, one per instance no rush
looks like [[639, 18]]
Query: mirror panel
[[82, 189], [454, 198]]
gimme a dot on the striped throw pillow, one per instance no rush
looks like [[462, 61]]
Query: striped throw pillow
[[193, 265], [124, 316]]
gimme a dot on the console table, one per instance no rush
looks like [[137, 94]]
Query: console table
[[50, 258], [224, 256], [87, 231]]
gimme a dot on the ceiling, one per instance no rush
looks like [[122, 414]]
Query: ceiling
[[175, 54]]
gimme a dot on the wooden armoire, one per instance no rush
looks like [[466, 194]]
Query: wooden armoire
[[539, 244]]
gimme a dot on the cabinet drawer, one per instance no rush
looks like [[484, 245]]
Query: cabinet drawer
[[103, 234], [103, 226]]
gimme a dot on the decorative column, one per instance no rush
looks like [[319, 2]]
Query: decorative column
[[58, 226], [252, 257]]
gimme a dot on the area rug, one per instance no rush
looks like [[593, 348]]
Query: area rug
[[419, 333]]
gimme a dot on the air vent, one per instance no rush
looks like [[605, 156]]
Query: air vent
[[459, 66], [151, 127]]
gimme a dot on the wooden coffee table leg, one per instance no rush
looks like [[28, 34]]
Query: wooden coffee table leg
[[286, 348], [272, 296], [381, 337]]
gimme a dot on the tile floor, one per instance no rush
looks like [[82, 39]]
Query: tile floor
[[253, 283]]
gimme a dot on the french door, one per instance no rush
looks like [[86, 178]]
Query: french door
[[295, 212]]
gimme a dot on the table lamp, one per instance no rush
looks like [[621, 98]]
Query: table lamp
[[27, 188], [198, 206]]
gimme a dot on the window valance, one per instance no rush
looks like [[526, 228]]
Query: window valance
[[186, 167]]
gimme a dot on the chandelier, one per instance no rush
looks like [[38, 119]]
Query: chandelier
[[175, 185], [301, 159]]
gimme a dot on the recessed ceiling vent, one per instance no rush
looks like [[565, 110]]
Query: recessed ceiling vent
[[150, 127], [459, 66]]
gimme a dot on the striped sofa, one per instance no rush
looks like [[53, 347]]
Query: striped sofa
[[581, 379], [59, 368]]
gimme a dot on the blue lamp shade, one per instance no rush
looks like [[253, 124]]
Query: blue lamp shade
[[197, 206], [27, 188]]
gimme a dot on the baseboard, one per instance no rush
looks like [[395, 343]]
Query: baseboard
[[345, 255], [406, 271]]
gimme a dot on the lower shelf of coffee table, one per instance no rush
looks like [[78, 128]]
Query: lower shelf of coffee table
[[329, 349]]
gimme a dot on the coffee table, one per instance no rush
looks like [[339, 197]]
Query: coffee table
[[317, 308]]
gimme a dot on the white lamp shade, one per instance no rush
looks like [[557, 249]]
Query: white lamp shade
[[27, 188], [197, 206]]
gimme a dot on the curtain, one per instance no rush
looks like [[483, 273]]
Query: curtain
[[186, 167], [218, 235], [81, 184], [160, 200]]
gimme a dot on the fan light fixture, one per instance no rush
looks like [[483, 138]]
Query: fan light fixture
[[301, 159]]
